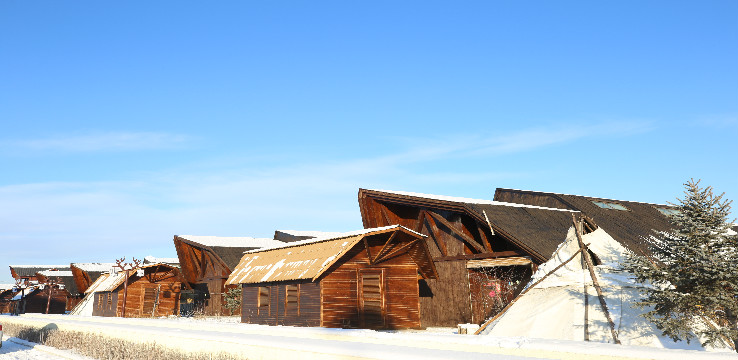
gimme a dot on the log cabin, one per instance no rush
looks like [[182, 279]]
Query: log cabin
[[66, 286], [484, 251], [153, 291], [206, 262], [363, 279], [631, 223]]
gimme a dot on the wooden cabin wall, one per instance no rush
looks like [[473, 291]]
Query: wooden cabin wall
[[340, 290], [36, 302], [306, 314], [105, 303], [141, 298]]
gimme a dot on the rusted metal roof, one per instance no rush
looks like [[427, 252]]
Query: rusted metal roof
[[306, 259]]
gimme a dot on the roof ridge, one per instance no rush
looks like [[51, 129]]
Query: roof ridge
[[464, 200], [584, 196]]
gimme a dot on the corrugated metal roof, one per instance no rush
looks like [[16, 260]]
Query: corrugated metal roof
[[50, 273], [306, 259]]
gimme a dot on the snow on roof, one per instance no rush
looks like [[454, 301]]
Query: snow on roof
[[39, 266], [94, 266], [154, 260], [50, 273], [106, 282], [306, 259], [239, 241], [468, 200], [6, 286]]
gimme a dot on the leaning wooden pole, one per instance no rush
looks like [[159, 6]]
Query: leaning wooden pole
[[486, 323], [590, 267]]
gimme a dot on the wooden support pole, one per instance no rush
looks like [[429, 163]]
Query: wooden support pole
[[486, 323], [578, 230]]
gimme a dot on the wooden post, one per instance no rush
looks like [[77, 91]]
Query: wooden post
[[577, 229], [126, 267], [486, 323]]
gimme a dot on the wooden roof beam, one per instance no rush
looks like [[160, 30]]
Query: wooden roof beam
[[439, 242], [388, 256], [379, 254], [468, 239]]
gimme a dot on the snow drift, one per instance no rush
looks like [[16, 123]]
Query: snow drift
[[557, 307]]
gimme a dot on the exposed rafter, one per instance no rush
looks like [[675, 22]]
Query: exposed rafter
[[386, 245], [388, 256], [468, 239]]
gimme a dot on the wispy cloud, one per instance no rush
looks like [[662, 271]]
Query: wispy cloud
[[100, 142], [115, 218]]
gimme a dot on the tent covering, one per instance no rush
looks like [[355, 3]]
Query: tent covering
[[555, 308]]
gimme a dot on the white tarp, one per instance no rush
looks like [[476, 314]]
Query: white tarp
[[555, 308]]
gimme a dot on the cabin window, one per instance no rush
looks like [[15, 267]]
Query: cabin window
[[110, 299], [100, 301], [371, 299], [264, 299], [610, 205], [292, 300], [669, 212]]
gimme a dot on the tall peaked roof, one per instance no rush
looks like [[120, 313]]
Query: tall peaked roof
[[537, 230], [631, 223], [228, 249], [309, 259]]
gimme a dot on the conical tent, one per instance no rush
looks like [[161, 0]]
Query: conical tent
[[565, 306]]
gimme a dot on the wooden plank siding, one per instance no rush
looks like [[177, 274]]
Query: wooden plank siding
[[340, 290], [307, 312]]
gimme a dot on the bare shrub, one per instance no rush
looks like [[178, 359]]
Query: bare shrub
[[103, 347]]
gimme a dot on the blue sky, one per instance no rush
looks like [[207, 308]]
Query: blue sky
[[126, 123]]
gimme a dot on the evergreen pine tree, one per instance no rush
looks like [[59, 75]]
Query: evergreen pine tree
[[693, 270]]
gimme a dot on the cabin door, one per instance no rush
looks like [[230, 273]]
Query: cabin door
[[371, 298]]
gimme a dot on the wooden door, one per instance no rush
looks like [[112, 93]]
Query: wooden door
[[371, 298]]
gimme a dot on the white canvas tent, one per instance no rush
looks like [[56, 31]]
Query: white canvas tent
[[555, 307]]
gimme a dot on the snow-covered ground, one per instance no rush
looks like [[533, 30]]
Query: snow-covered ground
[[270, 342], [17, 349]]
